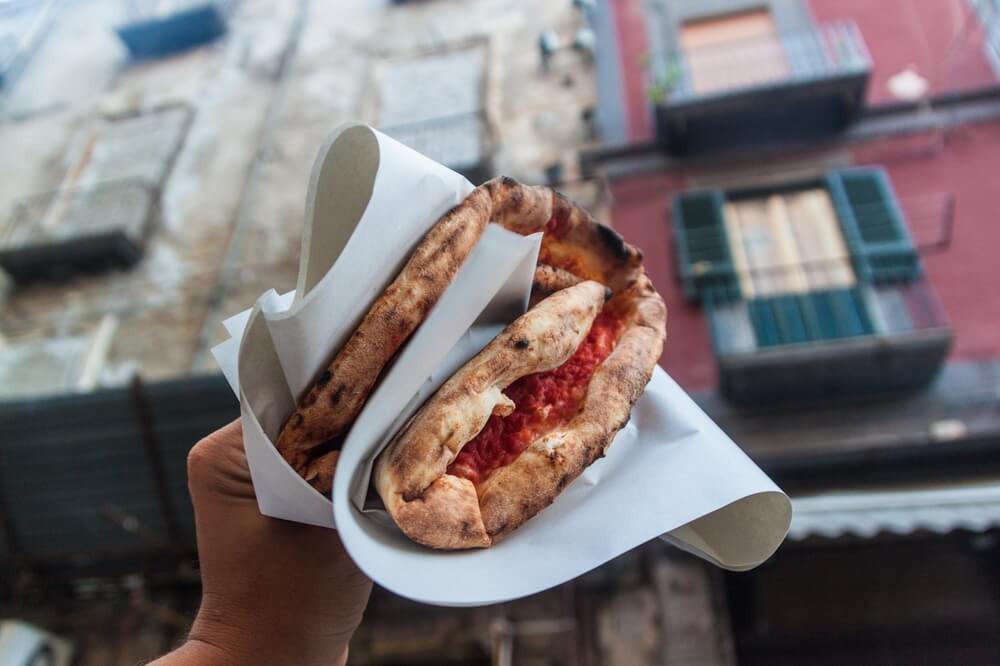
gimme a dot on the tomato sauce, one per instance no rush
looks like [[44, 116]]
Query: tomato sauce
[[542, 401]]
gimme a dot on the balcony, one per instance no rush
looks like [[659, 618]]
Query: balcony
[[855, 339], [463, 142], [776, 88], [60, 233], [106, 205], [815, 289]]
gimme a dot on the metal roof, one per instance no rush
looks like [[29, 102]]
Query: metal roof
[[65, 460], [941, 509]]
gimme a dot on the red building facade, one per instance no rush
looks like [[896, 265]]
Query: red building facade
[[934, 163], [741, 142]]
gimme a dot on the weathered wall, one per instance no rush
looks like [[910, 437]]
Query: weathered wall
[[262, 99]]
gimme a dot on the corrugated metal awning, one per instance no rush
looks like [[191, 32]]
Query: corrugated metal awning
[[941, 509]]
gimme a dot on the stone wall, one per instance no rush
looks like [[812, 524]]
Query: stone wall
[[261, 100]]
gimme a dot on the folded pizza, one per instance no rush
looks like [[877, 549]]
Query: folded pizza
[[310, 440], [543, 400]]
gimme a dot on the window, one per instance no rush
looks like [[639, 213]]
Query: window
[[435, 103], [796, 264], [787, 243], [733, 51], [810, 289]]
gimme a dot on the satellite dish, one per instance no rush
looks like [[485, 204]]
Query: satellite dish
[[908, 86]]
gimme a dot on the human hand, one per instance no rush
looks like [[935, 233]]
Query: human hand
[[273, 592]]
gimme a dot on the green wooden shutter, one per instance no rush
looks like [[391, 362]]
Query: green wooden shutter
[[703, 257], [818, 315], [778, 320], [873, 225]]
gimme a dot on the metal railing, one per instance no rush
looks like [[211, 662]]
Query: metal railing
[[814, 302], [833, 295], [459, 141], [64, 214], [929, 220], [827, 51]]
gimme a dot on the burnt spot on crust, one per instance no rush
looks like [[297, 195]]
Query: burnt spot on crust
[[613, 241], [522, 343], [608, 294], [335, 396], [319, 450], [324, 379], [516, 197], [310, 398], [563, 482]]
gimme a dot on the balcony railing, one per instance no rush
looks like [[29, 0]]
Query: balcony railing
[[845, 337], [828, 51], [807, 316], [757, 90], [464, 142], [57, 233]]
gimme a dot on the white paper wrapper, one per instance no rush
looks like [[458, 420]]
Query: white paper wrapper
[[671, 472]]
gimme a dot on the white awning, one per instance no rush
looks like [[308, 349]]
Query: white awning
[[940, 509]]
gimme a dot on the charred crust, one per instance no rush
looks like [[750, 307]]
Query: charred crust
[[324, 379], [563, 482], [332, 444], [310, 399], [516, 198], [522, 343], [613, 241], [335, 396], [608, 294]]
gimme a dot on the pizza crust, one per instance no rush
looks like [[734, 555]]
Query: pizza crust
[[521, 489], [311, 437], [548, 280], [411, 474], [444, 511]]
